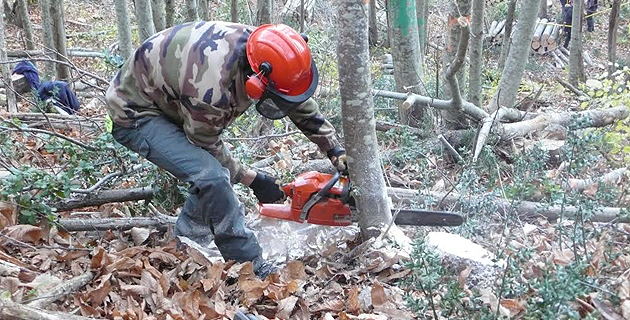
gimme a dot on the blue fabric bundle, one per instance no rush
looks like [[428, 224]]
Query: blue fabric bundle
[[60, 91]]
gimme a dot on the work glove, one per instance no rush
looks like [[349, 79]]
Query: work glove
[[266, 189], [337, 156]]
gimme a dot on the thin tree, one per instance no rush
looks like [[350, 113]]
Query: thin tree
[[144, 15], [192, 12], [47, 37], [406, 56], [204, 13], [542, 11], [576, 61], [6, 70], [26, 24], [358, 117], [159, 15], [476, 53], [517, 58], [234, 10], [613, 25], [507, 39], [373, 30], [124, 28], [169, 7], [59, 37], [263, 12], [422, 11], [460, 9]]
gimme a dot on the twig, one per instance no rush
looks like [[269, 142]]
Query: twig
[[59, 135], [26, 245], [264, 137], [450, 148], [105, 179]]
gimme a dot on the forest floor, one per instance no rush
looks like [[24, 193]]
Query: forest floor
[[539, 269]]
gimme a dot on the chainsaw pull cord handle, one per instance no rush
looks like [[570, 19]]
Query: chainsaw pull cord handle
[[318, 196]]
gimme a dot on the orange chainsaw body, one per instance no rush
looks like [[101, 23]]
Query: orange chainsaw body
[[330, 210]]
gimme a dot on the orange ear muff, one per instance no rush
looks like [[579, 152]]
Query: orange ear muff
[[254, 87]]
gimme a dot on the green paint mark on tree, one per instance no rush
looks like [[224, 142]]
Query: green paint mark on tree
[[402, 9]]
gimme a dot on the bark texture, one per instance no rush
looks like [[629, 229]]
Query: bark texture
[[406, 56], [144, 15], [476, 53], [373, 25], [47, 37], [6, 71], [422, 10], [234, 10], [576, 60], [16, 311], [613, 25], [358, 121], [507, 39], [459, 9], [22, 7], [169, 7], [103, 197], [73, 225], [124, 28], [263, 12], [59, 37], [192, 12], [517, 58], [159, 15], [542, 11], [62, 290]]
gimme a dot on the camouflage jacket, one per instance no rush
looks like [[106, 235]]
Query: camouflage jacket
[[195, 75]]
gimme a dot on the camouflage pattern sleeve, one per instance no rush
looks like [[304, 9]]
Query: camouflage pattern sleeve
[[312, 123]]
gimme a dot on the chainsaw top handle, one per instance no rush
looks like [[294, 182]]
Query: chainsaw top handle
[[318, 196]]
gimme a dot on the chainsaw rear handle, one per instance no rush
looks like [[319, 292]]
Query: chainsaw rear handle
[[318, 196]]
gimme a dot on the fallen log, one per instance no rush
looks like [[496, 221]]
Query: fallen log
[[103, 197], [102, 224], [16, 311], [524, 209], [61, 290], [559, 61]]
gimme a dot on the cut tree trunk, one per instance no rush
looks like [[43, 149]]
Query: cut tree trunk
[[476, 53], [169, 7], [192, 13], [576, 62], [75, 225], [406, 57], [63, 289], [159, 15], [47, 38], [613, 25], [144, 15], [22, 7], [517, 58], [263, 12], [108, 196], [6, 71], [59, 37], [124, 28], [507, 40], [358, 114], [16, 311]]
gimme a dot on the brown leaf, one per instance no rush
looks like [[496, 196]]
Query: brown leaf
[[8, 214], [379, 297], [301, 312], [88, 311], [98, 295], [605, 310], [147, 280], [123, 263], [139, 235], [461, 280], [136, 290], [513, 305], [253, 289], [25, 233], [334, 305], [72, 255], [165, 257], [285, 307], [165, 284], [294, 270], [100, 259], [214, 276], [352, 301]]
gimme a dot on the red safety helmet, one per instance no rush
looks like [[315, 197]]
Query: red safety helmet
[[284, 71]]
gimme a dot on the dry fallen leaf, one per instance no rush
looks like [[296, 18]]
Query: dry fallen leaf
[[606, 310], [139, 235], [334, 305], [8, 214], [352, 301], [285, 307], [625, 309], [514, 306], [25, 233], [98, 295], [294, 270], [379, 297], [461, 280]]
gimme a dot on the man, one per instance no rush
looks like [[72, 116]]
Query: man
[[173, 98]]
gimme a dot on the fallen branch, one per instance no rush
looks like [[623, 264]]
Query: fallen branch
[[488, 122], [524, 209], [103, 197], [102, 224], [450, 149], [573, 89], [61, 290], [16, 311]]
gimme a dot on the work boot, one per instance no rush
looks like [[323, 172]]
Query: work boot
[[241, 316], [263, 268]]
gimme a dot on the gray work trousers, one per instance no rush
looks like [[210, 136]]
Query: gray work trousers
[[212, 207]]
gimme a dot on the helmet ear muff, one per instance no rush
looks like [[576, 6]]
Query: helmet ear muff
[[254, 87]]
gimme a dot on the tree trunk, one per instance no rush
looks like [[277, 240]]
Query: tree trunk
[[302, 17], [159, 15], [458, 8], [169, 7], [59, 37], [358, 110], [124, 28], [192, 13], [144, 15], [576, 60], [476, 53], [6, 70], [406, 57], [507, 39], [542, 11], [422, 11], [517, 58], [613, 25], [263, 12], [373, 24], [26, 24], [47, 37], [234, 10], [204, 13]]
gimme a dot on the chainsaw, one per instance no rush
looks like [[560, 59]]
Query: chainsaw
[[325, 199]]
